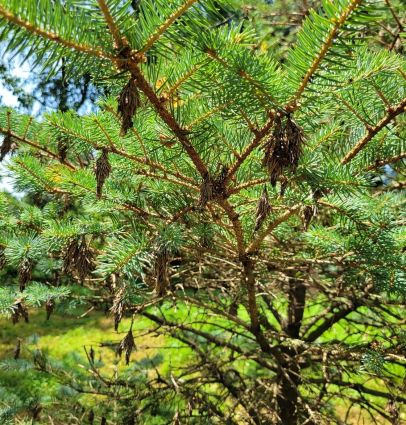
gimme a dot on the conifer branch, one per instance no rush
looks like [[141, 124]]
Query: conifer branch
[[167, 178], [355, 112], [168, 118], [34, 145], [47, 187], [392, 113], [162, 28], [207, 115], [154, 166], [132, 129], [330, 321], [243, 74], [251, 183], [119, 41], [255, 244], [141, 212], [337, 24], [48, 35], [120, 152], [171, 91], [259, 135], [381, 162]]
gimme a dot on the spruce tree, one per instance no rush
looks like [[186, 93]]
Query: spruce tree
[[244, 198]]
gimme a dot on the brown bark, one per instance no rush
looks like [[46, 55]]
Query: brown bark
[[289, 372]]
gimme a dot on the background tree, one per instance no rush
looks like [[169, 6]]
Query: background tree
[[224, 192]]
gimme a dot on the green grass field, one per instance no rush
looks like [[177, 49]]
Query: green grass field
[[64, 339]]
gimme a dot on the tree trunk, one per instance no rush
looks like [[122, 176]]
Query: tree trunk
[[289, 372], [287, 398]]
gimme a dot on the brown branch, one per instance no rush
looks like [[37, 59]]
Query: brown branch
[[167, 117], [355, 112], [360, 388], [399, 23], [255, 244], [247, 184], [259, 135], [249, 280], [382, 162], [392, 113], [330, 321], [119, 41], [34, 145], [238, 231]]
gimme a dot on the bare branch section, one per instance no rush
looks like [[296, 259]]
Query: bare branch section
[[254, 246], [392, 113], [259, 136]]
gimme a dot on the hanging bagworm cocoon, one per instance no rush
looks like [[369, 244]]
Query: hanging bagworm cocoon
[[295, 137], [19, 311], [78, 257], [128, 102], [206, 191], [6, 146], [2, 259], [102, 171], [24, 273], [308, 212], [91, 355], [17, 349], [283, 149], [90, 417], [161, 271], [118, 307], [127, 345], [263, 209], [49, 307], [62, 147], [84, 259]]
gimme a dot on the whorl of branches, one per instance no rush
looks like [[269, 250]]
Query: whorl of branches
[[213, 188]]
